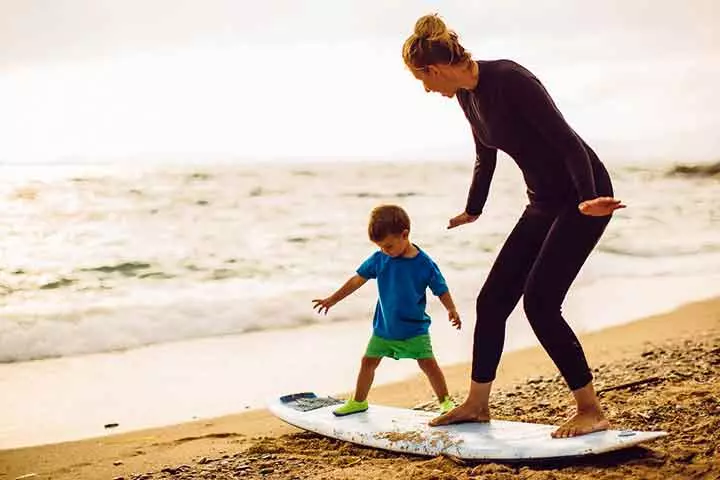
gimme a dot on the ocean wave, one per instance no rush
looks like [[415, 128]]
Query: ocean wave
[[123, 275], [662, 251], [711, 170], [64, 329], [384, 195], [59, 283], [125, 268]]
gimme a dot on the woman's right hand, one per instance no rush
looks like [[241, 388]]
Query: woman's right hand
[[462, 219]]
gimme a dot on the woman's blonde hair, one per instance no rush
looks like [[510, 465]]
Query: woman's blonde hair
[[432, 43]]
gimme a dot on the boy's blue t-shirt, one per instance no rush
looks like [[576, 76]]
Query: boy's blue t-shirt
[[400, 311]]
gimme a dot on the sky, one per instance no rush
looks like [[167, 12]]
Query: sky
[[96, 80]]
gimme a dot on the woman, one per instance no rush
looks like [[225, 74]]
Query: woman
[[570, 204]]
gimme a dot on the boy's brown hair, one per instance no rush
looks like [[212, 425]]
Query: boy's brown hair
[[387, 220]]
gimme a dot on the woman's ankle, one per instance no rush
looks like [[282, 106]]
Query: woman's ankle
[[479, 396]]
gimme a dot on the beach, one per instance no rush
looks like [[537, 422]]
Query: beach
[[674, 357]]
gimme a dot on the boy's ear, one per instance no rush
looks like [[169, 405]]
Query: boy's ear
[[405, 234]]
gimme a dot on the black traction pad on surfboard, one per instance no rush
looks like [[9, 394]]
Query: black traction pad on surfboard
[[306, 401]]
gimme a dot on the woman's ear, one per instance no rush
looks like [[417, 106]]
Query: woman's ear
[[433, 70]]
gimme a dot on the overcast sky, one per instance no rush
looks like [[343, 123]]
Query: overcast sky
[[97, 78], [39, 30]]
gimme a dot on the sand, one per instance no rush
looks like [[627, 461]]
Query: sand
[[675, 357]]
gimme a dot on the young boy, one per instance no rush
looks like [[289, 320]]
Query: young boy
[[400, 326]]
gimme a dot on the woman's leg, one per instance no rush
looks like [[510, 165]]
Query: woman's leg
[[497, 299], [569, 243]]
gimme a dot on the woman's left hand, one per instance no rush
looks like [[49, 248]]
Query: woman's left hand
[[461, 219], [600, 207]]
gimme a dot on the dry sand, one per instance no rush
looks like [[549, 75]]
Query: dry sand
[[675, 356]]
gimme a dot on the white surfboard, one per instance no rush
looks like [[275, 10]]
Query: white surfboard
[[406, 430]]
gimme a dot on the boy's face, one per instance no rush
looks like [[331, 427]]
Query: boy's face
[[394, 244]]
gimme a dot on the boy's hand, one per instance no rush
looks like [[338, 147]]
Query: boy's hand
[[323, 303], [454, 318]]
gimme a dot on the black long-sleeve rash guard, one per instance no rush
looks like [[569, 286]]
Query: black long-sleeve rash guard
[[510, 110]]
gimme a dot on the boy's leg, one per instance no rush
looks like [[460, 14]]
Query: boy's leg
[[432, 370], [365, 377], [430, 367]]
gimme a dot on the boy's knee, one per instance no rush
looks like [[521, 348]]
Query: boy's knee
[[427, 363], [370, 362]]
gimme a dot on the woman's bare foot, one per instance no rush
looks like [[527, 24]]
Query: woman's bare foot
[[582, 423], [461, 414], [589, 417]]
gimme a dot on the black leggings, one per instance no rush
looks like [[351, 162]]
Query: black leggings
[[539, 260]]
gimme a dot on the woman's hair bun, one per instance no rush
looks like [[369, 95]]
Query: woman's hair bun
[[430, 27]]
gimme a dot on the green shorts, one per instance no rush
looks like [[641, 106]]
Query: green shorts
[[414, 347]]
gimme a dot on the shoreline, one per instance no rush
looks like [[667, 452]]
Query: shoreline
[[153, 449]]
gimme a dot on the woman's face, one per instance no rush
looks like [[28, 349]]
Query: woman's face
[[437, 78]]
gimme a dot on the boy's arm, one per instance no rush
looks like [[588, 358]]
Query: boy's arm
[[355, 282], [438, 285], [449, 305], [447, 301]]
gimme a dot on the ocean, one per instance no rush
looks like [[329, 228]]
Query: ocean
[[99, 259]]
